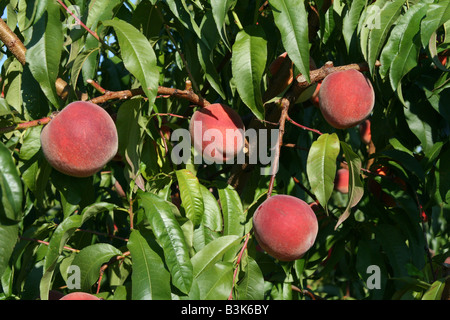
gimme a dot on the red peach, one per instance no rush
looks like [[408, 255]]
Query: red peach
[[285, 227], [341, 180], [80, 139], [365, 132], [217, 132], [80, 296], [346, 98]]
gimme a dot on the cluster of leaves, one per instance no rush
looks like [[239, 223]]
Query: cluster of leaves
[[146, 229]]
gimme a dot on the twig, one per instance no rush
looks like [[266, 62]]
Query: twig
[[171, 92], [12, 42], [276, 160], [244, 247], [303, 127], [95, 35], [47, 243], [106, 265], [26, 125], [97, 86]]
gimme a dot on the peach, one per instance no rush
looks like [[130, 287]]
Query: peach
[[365, 132], [315, 97], [285, 227], [341, 180], [217, 132], [346, 98], [80, 139], [80, 296]]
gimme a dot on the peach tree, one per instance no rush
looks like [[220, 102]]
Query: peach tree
[[310, 87]]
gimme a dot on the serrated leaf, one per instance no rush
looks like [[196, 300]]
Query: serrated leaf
[[408, 49], [150, 279], [170, 237], [401, 35], [251, 287], [90, 259], [138, 56], [232, 211], [377, 26], [11, 190], [212, 216], [213, 252], [220, 10], [216, 283], [321, 166], [181, 11], [248, 64], [291, 19], [60, 236], [44, 51], [350, 21], [355, 185], [191, 195], [205, 50], [437, 14], [8, 238]]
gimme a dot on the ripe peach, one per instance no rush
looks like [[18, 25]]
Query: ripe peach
[[365, 132], [315, 97], [217, 132], [285, 227], [346, 98], [80, 139], [341, 180], [80, 296]]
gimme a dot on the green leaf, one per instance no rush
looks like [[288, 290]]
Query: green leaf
[[150, 279], [321, 166], [248, 64], [90, 259], [11, 190], [379, 19], [8, 238], [291, 19], [435, 291], [170, 237], [350, 21], [191, 195], [355, 185], [251, 287], [409, 46], [232, 211], [213, 252], [216, 283], [44, 51], [138, 56], [181, 11], [56, 244], [220, 10], [405, 24], [205, 51], [212, 216], [437, 14], [60, 236]]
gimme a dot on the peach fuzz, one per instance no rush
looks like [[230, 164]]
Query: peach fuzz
[[80, 139], [217, 132], [285, 227], [346, 98]]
